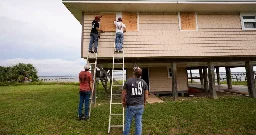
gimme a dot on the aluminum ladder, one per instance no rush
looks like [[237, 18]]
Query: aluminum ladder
[[116, 56], [94, 80]]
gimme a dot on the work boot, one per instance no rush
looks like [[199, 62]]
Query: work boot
[[80, 117], [86, 118]]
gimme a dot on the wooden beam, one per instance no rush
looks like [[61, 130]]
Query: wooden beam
[[187, 77], [105, 60], [174, 82], [191, 80], [82, 36], [205, 79], [201, 76], [218, 75], [228, 76], [110, 80], [250, 79], [211, 77], [94, 85]]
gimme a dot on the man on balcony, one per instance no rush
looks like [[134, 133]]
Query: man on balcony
[[120, 29]]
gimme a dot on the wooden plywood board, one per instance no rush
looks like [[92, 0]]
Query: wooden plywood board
[[188, 21], [107, 22], [130, 20]]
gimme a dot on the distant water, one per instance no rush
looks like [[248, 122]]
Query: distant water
[[117, 76], [58, 78], [240, 76], [236, 76]]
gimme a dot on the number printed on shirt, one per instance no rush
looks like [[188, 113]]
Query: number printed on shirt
[[137, 90], [93, 25]]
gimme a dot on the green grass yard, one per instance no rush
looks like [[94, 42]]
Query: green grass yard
[[52, 109]]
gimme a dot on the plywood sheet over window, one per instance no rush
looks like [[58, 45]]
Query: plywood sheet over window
[[130, 20], [107, 22], [188, 21]]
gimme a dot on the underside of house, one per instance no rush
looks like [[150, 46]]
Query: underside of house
[[170, 36]]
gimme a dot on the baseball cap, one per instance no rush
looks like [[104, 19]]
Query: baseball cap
[[97, 17], [87, 66], [119, 19]]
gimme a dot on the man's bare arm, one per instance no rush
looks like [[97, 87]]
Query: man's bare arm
[[91, 86], [99, 30], [145, 97], [124, 92]]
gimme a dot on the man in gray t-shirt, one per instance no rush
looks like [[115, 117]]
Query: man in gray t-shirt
[[134, 96]]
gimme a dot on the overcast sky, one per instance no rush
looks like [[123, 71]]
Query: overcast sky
[[41, 32], [44, 33]]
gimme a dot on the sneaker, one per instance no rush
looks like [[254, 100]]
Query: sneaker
[[80, 118], [95, 52], [86, 118], [91, 52]]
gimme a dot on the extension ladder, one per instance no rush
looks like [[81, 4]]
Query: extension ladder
[[116, 56], [94, 80]]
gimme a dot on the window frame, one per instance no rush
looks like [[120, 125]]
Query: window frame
[[168, 71], [180, 22], [242, 14]]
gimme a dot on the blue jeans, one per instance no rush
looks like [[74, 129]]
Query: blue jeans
[[134, 111], [119, 40], [84, 98], [93, 39]]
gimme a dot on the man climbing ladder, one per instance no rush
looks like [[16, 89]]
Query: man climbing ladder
[[120, 29], [94, 35]]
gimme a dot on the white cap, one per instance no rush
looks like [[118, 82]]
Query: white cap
[[136, 68], [87, 66]]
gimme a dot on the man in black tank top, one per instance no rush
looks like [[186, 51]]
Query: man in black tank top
[[134, 96], [94, 34]]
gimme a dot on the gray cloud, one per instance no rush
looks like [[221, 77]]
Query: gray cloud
[[38, 29]]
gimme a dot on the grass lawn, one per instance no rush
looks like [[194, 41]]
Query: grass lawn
[[52, 109]]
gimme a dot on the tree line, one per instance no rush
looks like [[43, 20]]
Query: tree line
[[18, 73]]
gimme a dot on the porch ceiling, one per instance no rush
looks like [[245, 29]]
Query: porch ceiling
[[181, 62], [77, 7], [191, 65]]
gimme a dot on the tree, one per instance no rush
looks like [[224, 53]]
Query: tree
[[18, 73]]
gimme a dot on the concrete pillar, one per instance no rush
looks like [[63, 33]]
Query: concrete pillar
[[174, 82], [205, 79], [211, 77], [218, 75], [228, 76], [201, 77], [250, 79]]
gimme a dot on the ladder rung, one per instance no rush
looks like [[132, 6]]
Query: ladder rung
[[117, 114], [118, 71], [116, 126], [116, 94], [118, 63], [117, 85], [116, 103]]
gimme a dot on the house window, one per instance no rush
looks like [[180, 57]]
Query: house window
[[107, 22], [187, 21], [248, 21], [169, 72], [129, 19]]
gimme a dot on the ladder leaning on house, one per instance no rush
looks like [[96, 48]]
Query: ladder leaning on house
[[116, 56], [94, 80]]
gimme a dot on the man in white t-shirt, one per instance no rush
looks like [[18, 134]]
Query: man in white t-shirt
[[120, 29]]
